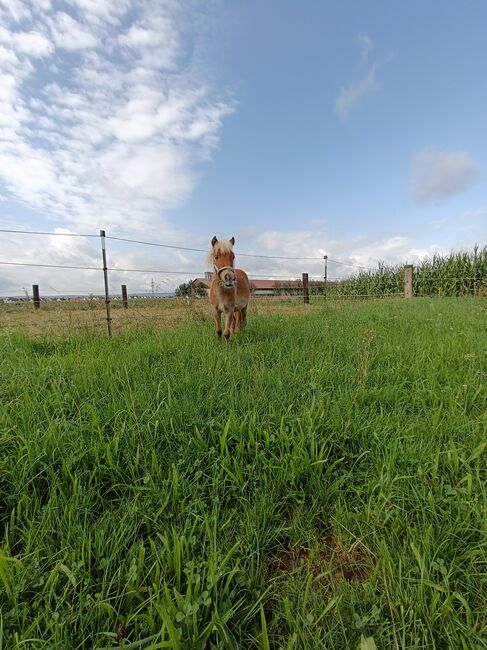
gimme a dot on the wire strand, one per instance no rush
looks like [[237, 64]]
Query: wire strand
[[173, 247], [151, 243], [53, 266], [39, 232], [201, 274], [156, 271], [182, 248], [202, 250]]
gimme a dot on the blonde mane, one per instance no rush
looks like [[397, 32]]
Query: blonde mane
[[222, 246]]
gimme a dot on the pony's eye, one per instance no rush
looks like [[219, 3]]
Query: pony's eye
[[216, 257]]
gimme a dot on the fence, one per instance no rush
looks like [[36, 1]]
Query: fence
[[399, 281]]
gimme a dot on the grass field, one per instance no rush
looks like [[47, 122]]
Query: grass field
[[318, 482], [89, 317]]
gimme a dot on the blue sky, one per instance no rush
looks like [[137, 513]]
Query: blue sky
[[355, 129]]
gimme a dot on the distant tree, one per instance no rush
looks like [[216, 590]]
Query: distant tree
[[184, 290], [199, 290]]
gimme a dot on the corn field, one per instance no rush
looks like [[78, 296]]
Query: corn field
[[462, 273]]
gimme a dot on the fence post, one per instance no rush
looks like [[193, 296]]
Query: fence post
[[35, 293], [124, 296], [408, 281], [105, 277], [325, 257], [305, 289]]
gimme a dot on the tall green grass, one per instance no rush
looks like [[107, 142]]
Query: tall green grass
[[318, 482], [462, 273]]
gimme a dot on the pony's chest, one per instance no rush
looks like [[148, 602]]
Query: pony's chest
[[220, 297], [226, 299]]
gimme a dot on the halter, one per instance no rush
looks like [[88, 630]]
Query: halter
[[229, 267], [223, 268]]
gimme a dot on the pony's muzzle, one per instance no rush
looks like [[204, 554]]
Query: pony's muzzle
[[229, 280]]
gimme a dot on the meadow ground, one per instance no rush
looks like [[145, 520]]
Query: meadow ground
[[318, 482]]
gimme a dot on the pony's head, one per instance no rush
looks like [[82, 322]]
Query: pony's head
[[222, 258]]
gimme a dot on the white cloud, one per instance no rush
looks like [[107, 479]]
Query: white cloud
[[437, 175], [32, 43], [154, 41], [13, 112], [101, 11], [153, 171], [8, 59], [103, 119], [14, 10], [71, 35], [41, 5], [350, 97], [354, 253]]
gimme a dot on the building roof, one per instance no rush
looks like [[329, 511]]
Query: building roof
[[202, 281], [258, 284], [272, 284]]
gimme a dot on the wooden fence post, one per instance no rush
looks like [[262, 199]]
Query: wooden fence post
[[305, 289], [124, 296], [105, 278], [35, 293], [325, 257], [408, 281]]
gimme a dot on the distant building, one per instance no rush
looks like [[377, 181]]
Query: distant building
[[274, 287], [259, 287]]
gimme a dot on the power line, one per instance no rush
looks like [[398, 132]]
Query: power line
[[99, 268], [161, 271], [52, 266], [355, 266], [182, 248], [202, 250], [269, 257], [272, 276], [151, 243], [157, 271], [38, 232]]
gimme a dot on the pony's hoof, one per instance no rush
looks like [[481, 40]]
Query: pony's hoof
[[226, 335], [219, 334]]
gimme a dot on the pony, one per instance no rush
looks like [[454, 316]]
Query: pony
[[229, 289]]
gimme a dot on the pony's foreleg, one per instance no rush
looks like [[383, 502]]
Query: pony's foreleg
[[228, 323], [237, 321], [243, 318], [218, 322]]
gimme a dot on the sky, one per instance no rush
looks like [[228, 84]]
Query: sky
[[350, 129]]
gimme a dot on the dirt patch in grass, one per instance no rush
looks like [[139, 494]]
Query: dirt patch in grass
[[330, 562]]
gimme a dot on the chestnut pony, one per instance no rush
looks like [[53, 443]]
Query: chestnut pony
[[229, 289]]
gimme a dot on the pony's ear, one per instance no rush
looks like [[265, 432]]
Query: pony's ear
[[232, 241], [214, 240]]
